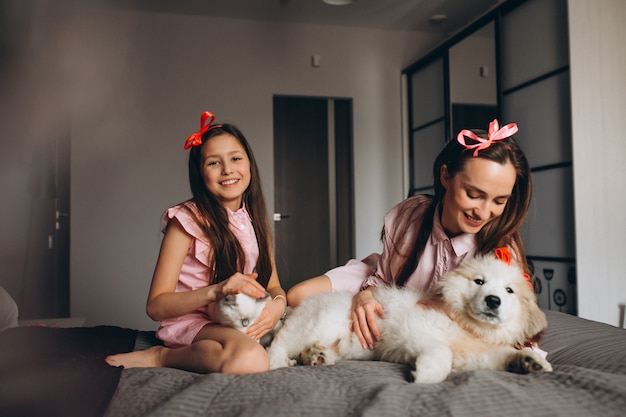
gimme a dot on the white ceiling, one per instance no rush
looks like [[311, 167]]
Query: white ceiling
[[410, 15]]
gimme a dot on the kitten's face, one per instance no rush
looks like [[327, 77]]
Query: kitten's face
[[238, 310]]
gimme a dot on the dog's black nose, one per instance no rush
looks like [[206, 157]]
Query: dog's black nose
[[492, 301]]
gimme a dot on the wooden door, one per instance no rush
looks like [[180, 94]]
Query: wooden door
[[313, 186], [45, 284]]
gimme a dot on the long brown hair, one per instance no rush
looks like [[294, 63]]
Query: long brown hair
[[227, 256], [501, 231]]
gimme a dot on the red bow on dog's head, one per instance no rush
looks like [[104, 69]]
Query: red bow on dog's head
[[504, 255]]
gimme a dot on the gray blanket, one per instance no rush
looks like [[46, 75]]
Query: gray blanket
[[589, 379]]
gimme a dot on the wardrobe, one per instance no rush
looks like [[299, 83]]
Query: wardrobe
[[511, 64]]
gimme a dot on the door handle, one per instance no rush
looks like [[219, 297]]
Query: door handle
[[278, 217]]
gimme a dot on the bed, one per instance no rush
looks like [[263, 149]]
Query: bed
[[61, 372]]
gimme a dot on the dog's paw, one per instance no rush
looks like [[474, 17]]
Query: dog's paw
[[276, 363], [432, 366], [429, 376], [528, 362], [315, 355]]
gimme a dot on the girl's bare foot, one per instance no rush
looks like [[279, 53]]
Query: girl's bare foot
[[148, 358]]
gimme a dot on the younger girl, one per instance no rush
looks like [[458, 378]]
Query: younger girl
[[482, 194], [215, 244]]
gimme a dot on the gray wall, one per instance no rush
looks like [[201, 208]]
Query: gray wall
[[598, 61], [130, 86]]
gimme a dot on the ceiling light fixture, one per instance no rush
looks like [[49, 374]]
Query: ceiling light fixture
[[438, 19], [338, 2]]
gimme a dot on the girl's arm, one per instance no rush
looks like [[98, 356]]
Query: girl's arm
[[163, 300], [273, 285], [275, 309]]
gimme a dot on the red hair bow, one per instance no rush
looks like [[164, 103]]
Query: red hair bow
[[504, 255], [196, 138], [494, 134]]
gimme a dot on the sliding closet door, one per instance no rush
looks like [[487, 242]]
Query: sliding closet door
[[427, 121], [533, 52], [452, 88]]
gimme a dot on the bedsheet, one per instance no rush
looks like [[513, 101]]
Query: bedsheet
[[589, 379]]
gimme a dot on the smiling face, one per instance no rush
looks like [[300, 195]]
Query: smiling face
[[475, 195], [225, 170]]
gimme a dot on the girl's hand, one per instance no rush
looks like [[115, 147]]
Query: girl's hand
[[240, 283], [365, 308], [268, 318]]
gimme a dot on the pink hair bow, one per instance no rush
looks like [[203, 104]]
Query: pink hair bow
[[196, 138], [495, 133]]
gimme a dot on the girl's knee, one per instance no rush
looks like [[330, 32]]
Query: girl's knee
[[249, 360]]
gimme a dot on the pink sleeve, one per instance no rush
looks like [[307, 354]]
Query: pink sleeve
[[383, 274], [200, 246], [375, 270], [185, 219], [350, 277], [402, 223]]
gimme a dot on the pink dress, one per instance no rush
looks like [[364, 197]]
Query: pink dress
[[195, 272], [402, 223]]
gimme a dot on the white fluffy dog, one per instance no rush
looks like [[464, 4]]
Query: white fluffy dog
[[483, 314]]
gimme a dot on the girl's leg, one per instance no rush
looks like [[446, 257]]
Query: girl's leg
[[223, 349], [307, 288], [215, 349]]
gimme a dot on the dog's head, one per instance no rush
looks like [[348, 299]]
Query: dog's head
[[492, 300]]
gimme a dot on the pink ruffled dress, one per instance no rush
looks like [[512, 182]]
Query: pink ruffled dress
[[196, 271]]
